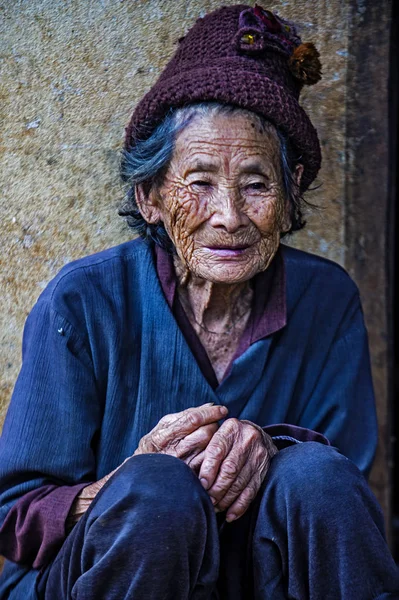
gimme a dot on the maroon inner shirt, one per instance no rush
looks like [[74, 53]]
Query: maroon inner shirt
[[268, 314]]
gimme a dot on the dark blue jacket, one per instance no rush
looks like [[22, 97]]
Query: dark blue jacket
[[104, 360]]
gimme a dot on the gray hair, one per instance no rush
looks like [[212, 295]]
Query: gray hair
[[148, 162]]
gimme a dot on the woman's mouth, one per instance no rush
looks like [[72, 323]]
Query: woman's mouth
[[228, 251]]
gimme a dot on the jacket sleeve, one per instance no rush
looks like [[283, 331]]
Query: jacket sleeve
[[341, 404], [284, 435], [47, 445]]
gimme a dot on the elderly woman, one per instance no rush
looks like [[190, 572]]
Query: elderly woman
[[140, 456]]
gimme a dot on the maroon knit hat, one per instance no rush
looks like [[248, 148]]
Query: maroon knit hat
[[243, 56]]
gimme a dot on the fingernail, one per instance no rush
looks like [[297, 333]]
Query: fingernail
[[213, 500], [224, 409], [209, 404], [204, 483], [231, 517]]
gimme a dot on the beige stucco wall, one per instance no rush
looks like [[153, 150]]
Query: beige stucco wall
[[71, 72]]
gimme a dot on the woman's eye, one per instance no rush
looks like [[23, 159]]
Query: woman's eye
[[256, 185], [201, 183]]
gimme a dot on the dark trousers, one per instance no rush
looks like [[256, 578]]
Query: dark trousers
[[314, 532]]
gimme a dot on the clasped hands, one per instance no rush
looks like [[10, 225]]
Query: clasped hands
[[231, 461]]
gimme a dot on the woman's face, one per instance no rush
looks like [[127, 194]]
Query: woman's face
[[222, 200]]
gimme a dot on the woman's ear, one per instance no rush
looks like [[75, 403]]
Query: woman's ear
[[298, 174], [287, 222], [148, 203]]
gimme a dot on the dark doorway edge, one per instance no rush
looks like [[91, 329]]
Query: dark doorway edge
[[368, 235]]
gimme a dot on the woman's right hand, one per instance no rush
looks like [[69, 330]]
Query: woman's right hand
[[184, 435]]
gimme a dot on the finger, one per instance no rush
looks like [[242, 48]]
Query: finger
[[195, 462], [242, 503], [256, 466], [170, 418], [247, 458], [196, 441], [192, 419], [215, 453], [231, 462], [229, 471], [224, 501]]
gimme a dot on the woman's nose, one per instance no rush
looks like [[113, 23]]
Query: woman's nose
[[227, 213]]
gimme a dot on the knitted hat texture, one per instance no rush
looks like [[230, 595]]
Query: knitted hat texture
[[242, 56]]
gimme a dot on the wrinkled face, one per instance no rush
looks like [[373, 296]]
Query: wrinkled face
[[222, 200]]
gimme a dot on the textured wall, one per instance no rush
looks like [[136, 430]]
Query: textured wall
[[71, 72]]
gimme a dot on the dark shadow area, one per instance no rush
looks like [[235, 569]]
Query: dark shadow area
[[394, 266]]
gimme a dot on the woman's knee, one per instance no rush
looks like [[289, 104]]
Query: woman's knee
[[154, 484], [318, 476], [152, 502]]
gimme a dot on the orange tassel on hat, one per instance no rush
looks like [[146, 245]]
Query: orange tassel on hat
[[305, 65]]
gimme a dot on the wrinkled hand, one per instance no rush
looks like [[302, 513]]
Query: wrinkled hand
[[185, 434], [235, 464]]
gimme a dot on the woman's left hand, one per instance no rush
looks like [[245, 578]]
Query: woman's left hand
[[235, 464]]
